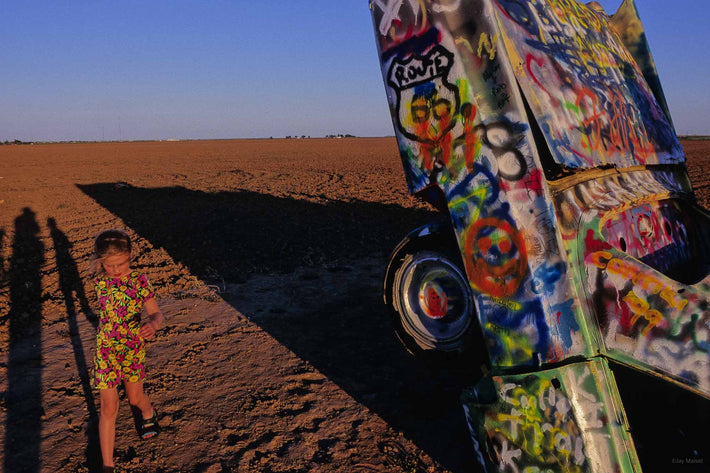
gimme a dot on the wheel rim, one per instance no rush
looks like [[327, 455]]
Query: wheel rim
[[435, 301]]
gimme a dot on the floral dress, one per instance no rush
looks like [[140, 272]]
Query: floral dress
[[120, 351]]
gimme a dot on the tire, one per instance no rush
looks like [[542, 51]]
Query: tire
[[432, 304]]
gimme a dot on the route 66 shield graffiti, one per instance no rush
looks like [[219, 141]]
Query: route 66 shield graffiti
[[427, 105]]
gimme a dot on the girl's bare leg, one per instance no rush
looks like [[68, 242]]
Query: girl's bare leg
[[107, 424], [138, 398]]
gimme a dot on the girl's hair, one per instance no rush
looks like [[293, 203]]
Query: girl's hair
[[109, 243]]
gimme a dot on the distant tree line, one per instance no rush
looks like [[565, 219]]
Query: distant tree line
[[341, 135], [288, 137], [17, 142]]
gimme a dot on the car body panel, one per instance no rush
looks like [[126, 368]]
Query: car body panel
[[563, 419], [502, 106], [482, 156], [641, 249], [584, 87], [543, 125]]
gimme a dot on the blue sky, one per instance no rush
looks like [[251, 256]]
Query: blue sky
[[161, 69]]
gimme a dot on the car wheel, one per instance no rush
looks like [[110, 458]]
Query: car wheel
[[432, 303]]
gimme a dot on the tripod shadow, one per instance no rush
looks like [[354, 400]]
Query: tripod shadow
[[23, 424], [72, 290]]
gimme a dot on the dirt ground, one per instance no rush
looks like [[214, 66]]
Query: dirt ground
[[267, 257]]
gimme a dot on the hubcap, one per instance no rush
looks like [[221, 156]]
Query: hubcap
[[434, 301]]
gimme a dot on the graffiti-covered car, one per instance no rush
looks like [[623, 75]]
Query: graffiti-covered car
[[572, 238]]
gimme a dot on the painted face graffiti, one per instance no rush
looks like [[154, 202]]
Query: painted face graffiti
[[498, 258]]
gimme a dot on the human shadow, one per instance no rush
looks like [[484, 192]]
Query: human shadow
[[23, 399], [72, 289], [2, 257], [344, 334], [3, 273]]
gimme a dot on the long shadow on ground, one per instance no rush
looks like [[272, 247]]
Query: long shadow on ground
[[345, 335], [23, 399], [234, 234], [72, 291]]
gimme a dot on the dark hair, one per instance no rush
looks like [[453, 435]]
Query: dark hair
[[109, 243]]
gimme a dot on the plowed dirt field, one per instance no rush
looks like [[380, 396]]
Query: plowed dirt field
[[267, 257]]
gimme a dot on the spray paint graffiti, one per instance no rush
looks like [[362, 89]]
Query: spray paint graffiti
[[395, 13], [497, 253], [571, 207], [560, 420], [649, 283], [393, 16], [427, 103], [580, 86], [638, 243], [462, 129], [657, 234], [401, 20], [477, 151]]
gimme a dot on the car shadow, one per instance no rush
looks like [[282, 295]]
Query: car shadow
[[345, 334]]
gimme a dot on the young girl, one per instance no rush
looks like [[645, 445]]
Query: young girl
[[120, 342]]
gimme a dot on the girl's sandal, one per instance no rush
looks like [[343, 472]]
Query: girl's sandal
[[150, 427]]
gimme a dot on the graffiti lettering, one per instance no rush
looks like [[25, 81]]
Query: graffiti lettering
[[427, 106], [641, 308], [502, 138], [489, 43], [507, 303], [628, 271], [491, 71], [587, 87], [536, 428], [417, 70], [593, 421]]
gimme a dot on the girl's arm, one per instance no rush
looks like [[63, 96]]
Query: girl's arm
[[155, 319]]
